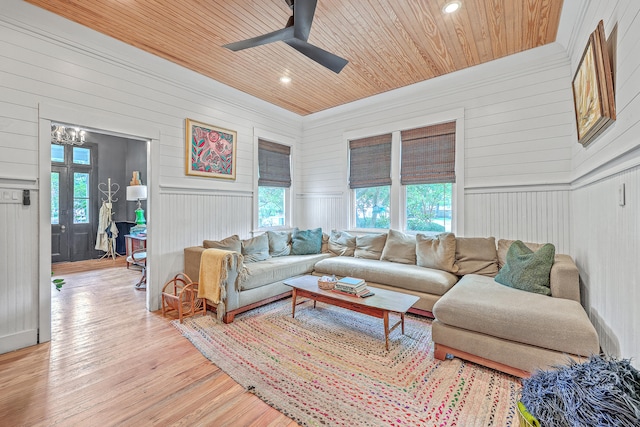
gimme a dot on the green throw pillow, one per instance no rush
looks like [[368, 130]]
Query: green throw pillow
[[527, 270], [304, 242]]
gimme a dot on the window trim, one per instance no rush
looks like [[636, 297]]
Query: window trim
[[397, 195], [288, 204]]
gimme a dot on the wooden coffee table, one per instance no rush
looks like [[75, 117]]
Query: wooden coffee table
[[378, 305]]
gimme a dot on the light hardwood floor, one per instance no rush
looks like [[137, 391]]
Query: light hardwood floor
[[111, 362]]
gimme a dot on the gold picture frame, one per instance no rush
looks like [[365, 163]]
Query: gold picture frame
[[210, 150], [593, 91]]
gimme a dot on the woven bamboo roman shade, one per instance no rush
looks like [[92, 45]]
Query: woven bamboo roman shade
[[370, 161], [274, 165], [429, 154]]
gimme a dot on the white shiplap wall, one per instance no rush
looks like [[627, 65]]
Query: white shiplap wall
[[52, 68], [518, 122], [605, 235]]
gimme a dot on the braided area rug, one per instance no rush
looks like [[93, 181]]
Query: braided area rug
[[328, 366]]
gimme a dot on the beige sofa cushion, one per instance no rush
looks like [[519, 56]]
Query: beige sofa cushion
[[231, 243], [477, 303], [400, 248], [504, 245], [437, 252], [342, 243], [410, 277], [476, 255], [370, 246], [279, 268]]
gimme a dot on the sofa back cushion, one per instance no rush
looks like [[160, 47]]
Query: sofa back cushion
[[342, 243], [527, 270], [503, 247], [476, 255], [399, 247], [231, 243], [370, 246], [437, 252], [256, 249], [305, 242], [279, 243]]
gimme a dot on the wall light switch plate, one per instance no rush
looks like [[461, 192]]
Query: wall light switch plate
[[621, 195]]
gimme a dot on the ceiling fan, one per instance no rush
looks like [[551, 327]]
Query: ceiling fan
[[296, 34]]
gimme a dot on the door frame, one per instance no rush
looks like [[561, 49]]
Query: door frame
[[104, 122]]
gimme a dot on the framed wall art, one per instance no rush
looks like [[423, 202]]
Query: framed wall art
[[593, 92], [210, 151]]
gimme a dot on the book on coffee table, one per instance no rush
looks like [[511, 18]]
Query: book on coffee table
[[351, 281]]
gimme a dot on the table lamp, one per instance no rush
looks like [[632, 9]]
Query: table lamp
[[137, 193]]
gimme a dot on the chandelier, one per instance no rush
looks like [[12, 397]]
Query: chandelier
[[67, 135]]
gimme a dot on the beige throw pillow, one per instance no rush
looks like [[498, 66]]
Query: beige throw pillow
[[400, 248], [342, 243], [370, 246], [279, 243], [437, 252], [325, 243], [476, 255], [256, 249], [231, 243]]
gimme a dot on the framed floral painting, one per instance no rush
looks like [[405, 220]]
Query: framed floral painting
[[593, 92], [211, 151]]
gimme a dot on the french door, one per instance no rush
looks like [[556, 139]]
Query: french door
[[73, 202]]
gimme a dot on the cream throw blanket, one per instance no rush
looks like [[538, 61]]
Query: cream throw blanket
[[214, 270]]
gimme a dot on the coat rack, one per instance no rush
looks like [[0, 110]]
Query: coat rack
[[107, 229]]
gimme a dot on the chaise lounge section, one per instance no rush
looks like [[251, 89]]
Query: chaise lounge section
[[513, 330]]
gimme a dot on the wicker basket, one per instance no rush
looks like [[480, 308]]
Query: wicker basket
[[326, 285]]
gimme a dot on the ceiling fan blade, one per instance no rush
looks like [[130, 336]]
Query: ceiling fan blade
[[303, 11], [275, 36], [321, 56]]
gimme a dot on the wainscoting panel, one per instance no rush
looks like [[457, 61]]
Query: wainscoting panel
[[326, 211], [18, 271], [541, 216], [191, 218], [606, 242]]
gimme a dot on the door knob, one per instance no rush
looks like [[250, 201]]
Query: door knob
[[62, 228]]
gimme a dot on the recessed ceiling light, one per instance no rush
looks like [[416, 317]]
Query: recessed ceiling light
[[285, 79], [451, 7]]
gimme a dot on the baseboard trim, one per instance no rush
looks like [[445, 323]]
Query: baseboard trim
[[18, 340]]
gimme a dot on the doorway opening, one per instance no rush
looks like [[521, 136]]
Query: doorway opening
[[90, 213]]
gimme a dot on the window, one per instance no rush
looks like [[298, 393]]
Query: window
[[405, 179], [55, 198], [274, 169], [370, 177], [80, 198], [427, 172]]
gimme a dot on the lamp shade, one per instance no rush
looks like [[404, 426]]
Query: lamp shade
[[136, 192]]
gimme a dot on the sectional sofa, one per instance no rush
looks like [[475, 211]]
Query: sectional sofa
[[475, 317]]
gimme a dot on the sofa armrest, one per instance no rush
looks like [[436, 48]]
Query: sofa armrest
[[192, 257], [565, 279]]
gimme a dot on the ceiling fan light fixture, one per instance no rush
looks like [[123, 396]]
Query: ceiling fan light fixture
[[451, 7]]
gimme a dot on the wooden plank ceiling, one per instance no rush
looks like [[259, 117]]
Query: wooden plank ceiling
[[389, 43]]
